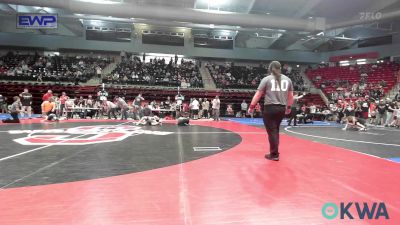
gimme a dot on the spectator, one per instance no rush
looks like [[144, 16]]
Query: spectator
[[120, 102], [47, 96], [381, 111], [229, 110], [3, 104], [63, 99], [390, 107], [110, 108], [26, 101], [243, 108], [206, 108], [216, 104], [194, 105]]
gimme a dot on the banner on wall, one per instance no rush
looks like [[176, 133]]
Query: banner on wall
[[37, 21]]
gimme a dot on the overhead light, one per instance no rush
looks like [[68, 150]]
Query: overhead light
[[310, 17], [78, 14], [46, 9], [132, 18], [344, 61], [297, 66], [96, 22], [269, 29], [361, 63], [107, 2], [361, 60], [214, 11], [268, 13], [212, 26], [321, 33], [225, 32], [216, 2]]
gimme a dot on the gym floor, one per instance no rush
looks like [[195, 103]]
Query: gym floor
[[113, 172]]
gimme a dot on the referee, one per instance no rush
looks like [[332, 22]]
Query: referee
[[278, 91]]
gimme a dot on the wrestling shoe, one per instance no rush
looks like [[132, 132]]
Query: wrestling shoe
[[273, 158]]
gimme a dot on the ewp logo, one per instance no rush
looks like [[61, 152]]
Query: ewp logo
[[37, 21], [364, 211]]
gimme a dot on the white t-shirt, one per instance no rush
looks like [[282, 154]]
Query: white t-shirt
[[195, 105], [216, 103], [244, 106], [397, 113], [179, 99], [313, 109], [111, 105]]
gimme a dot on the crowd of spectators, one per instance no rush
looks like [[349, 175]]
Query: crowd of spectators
[[354, 82], [35, 67], [62, 105], [156, 72], [384, 112], [229, 75]]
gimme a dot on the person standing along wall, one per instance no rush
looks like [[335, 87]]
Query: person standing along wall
[[26, 101], [216, 105]]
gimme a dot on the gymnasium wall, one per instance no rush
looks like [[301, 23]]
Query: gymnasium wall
[[56, 42]]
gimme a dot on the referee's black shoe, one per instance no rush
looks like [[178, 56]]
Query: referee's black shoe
[[272, 157]]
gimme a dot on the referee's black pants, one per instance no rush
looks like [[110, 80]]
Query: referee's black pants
[[293, 116], [272, 117]]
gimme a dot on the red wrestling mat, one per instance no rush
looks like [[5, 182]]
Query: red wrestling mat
[[237, 186]]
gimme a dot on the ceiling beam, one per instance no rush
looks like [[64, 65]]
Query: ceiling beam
[[7, 8], [306, 8], [177, 14]]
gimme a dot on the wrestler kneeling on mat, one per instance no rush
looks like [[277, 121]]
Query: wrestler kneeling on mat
[[355, 123], [49, 109], [14, 111]]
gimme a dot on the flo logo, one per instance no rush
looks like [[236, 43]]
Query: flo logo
[[82, 135], [352, 210]]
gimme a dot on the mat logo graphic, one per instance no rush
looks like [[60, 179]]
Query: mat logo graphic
[[37, 21], [83, 135], [364, 211]]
